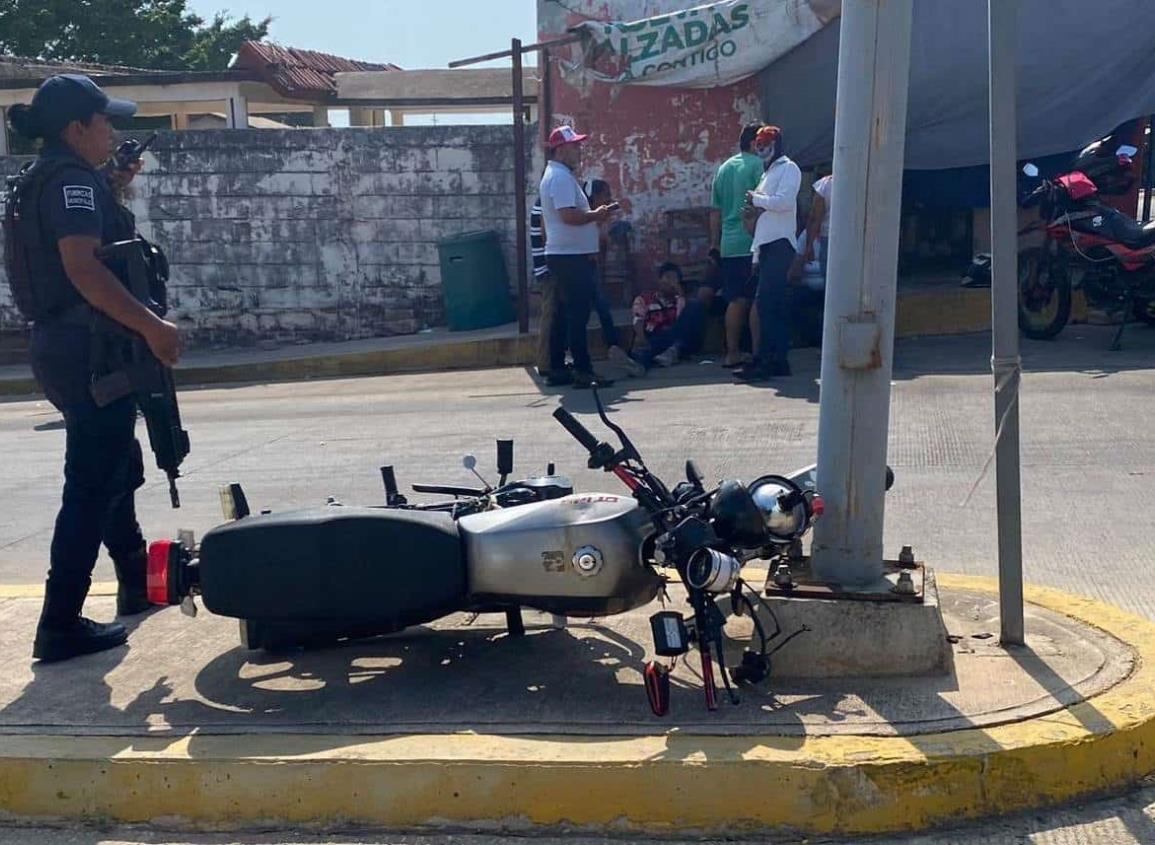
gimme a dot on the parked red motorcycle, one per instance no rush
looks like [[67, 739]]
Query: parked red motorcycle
[[1088, 245]]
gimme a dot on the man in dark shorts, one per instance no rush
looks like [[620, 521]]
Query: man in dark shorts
[[737, 175]]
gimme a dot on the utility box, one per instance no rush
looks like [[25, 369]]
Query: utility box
[[474, 281]]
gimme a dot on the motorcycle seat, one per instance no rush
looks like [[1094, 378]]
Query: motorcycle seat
[[334, 563], [1137, 235], [1111, 223]]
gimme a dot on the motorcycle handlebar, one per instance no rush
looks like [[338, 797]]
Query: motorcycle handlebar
[[1035, 197], [580, 433]]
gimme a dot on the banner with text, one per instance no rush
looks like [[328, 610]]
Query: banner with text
[[711, 45]]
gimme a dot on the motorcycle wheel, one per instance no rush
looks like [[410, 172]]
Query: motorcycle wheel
[[1044, 295], [1145, 310]]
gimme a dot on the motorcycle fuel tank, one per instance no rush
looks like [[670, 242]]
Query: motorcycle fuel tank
[[580, 555]]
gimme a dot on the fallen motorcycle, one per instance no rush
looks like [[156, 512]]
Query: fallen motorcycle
[[321, 574]]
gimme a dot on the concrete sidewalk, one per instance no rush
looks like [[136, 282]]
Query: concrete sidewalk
[[927, 310], [459, 724]]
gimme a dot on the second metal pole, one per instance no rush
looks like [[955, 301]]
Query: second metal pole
[[519, 190], [1002, 20]]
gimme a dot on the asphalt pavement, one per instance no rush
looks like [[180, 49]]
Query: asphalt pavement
[[1086, 455]]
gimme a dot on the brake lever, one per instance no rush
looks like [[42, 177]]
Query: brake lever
[[627, 445]]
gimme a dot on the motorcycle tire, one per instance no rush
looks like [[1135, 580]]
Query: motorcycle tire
[[280, 636], [1145, 310], [1036, 319]]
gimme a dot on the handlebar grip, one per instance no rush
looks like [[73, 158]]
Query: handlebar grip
[[580, 433]]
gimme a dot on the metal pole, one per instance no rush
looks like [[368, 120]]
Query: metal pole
[[519, 190], [545, 95], [1148, 165], [858, 333], [1005, 361], [488, 57]]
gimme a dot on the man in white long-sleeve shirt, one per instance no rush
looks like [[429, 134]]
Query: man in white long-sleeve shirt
[[775, 236]]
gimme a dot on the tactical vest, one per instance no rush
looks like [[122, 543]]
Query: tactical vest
[[40, 287]]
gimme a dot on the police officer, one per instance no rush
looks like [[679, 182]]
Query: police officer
[[77, 213]]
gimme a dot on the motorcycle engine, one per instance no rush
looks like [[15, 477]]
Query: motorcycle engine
[[1100, 282]]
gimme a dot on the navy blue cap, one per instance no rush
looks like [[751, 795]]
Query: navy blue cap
[[73, 96]]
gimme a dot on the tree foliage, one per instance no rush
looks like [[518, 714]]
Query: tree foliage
[[153, 34]]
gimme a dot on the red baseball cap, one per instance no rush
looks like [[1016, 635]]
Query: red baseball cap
[[766, 136], [564, 135]]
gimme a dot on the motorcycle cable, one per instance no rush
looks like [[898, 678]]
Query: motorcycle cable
[[1075, 245], [738, 597], [773, 618], [631, 453]]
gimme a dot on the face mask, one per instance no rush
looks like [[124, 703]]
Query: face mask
[[771, 153]]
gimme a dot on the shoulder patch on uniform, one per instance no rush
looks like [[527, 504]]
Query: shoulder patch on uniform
[[79, 196]]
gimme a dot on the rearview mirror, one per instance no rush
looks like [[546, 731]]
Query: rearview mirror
[[1030, 170], [469, 462], [1127, 150]]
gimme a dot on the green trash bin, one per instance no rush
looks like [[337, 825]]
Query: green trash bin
[[474, 281]]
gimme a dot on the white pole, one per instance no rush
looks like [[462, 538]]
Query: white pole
[[1005, 362], [858, 334], [237, 112]]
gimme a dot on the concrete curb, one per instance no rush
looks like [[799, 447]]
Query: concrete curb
[[940, 311], [660, 782]]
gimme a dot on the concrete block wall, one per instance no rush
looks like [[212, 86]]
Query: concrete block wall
[[284, 236]]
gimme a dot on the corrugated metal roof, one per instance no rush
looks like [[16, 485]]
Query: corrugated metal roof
[[298, 73]]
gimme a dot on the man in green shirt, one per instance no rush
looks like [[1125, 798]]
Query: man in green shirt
[[736, 176]]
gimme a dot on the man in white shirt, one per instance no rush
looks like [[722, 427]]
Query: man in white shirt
[[571, 252], [775, 236]]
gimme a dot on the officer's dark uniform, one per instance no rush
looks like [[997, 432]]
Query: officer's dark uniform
[[102, 465]]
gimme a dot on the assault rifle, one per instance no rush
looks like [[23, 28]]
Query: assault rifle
[[123, 364]]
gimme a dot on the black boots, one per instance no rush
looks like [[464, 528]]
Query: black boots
[[82, 636], [63, 633], [132, 584]]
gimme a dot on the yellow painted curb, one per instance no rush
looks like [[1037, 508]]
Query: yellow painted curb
[[661, 782], [36, 591], [942, 311]]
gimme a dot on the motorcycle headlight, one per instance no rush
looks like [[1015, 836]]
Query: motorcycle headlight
[[713, 571], [782, 506]]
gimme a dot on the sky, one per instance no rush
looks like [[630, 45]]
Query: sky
[[409, 33]]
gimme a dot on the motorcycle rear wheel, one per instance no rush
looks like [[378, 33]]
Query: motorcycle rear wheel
[[1044, 295]]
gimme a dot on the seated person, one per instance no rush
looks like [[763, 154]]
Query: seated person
[[667, 325], [712, 291]]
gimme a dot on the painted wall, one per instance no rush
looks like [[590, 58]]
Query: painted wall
[[657, 147], [285, 236]]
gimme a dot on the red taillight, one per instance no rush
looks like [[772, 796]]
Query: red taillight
[[817, 506], [161, 590]]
